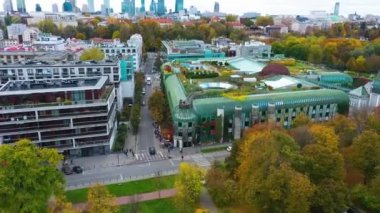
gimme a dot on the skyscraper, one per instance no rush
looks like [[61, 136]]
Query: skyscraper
[[142, 8], [336, 9], [178, 5], [67, 6], [161, 10], [8, 6], [153, 7], [90, 6], [128, 6], [38, 8], [54, 8], [21, 6], [216, 7]]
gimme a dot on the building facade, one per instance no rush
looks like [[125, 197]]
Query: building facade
[[8, 6], [15, 31], [178, 5], [76, 116], [161, 9], [21, 6]]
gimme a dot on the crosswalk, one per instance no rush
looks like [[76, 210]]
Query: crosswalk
[[200, 160], [145, 156]]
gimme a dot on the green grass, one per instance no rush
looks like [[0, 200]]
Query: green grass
[[127, 188], [214, 149], [162, 205]]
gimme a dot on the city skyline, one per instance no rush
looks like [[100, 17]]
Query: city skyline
[[268, 7]]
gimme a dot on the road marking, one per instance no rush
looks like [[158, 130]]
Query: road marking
[[171, 162]]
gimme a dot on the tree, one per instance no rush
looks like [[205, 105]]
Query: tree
[[48, 26], [80, 36], [116, 34], [315, 54], [28, 177], [231, 17], [266, 177], [99, 199], [345, 128], [59, 205], [69, 32], [188, 185], [92, 54], [155, 103], [264, 21], [365, 154], [301, 120]]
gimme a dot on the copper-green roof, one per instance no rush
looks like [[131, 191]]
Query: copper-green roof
[[205, 107]]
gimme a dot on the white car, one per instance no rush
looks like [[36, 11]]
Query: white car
[[229, 148]]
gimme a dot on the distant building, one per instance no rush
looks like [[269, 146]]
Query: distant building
[[8, 6], [59, 19], [55, 8], [49, 42], [1, 34], [129, 7], [254, 49], [366, 97], [38, 8], [21, 6], [276, 30], [336, 9], [30, 34], [90, 5], [67, 6], [8, 43], [161, 9], [15, 31], [216, 7], [153, 7], [189, 49], [178, 5], [85, 8], [142, 8]]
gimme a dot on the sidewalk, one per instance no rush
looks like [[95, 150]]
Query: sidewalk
[[137, 198], [206, 201], [103, 161]]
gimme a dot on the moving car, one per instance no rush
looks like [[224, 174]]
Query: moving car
[[78, 169], [152, 150]]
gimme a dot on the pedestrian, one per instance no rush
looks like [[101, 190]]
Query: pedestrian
[[182, 157], [71, 161]]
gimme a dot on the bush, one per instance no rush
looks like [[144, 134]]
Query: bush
[[118, 144], [201, 74]]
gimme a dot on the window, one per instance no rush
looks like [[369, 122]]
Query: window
[[81, 71], [190, 124], [20, 72], [189, 134], [179, 124], [180, 134]]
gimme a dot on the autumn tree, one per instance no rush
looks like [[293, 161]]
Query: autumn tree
[[345, 128], [266, 176], [48, 26], [365, 154], [60, 205], [301, 120], [188, 185], [28, 177], [315, 54], [231, 17], [155, 104], [325, 166], [99, 199], [92, 54], [264, 21]]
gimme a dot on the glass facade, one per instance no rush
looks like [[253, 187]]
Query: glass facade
[[178, 5]]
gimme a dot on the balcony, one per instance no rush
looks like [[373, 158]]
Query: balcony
[[104, 99]]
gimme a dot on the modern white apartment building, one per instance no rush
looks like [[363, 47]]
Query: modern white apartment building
[[118, 71], [76, 116], [48, 42]]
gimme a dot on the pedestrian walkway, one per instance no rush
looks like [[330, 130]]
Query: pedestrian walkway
[[103, 161], [206, 201], [200, 160], [137, 198], [145, 156]]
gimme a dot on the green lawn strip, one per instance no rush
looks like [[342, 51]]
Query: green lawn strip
[[127, 188], [161, 205], [214, 149]]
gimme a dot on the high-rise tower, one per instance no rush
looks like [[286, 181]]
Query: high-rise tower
[[90, 6], [216, 7], [178, 5], [142, 8], [8, 6], [336, 9], [21, 6], [128, 6], [161, 10]]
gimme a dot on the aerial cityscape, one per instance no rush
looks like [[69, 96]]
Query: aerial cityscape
[[189, 106]]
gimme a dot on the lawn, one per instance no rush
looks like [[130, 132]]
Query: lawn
[[214, 149], [163, 205], [127, 188]]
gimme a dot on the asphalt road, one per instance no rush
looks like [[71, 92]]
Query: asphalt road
[[146, 130]]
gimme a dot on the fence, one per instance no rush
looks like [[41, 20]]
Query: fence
[[121, 179]]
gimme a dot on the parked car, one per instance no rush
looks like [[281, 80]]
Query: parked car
[[66, 169], [229, 148], [78, 169], [152, 150]]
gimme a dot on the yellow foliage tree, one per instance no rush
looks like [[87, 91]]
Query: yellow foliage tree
[[60, 205], [325, 136], [99, 199], [188, 185], [92, 54]]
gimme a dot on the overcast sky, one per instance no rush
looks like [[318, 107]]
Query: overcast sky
[[274, 7]]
